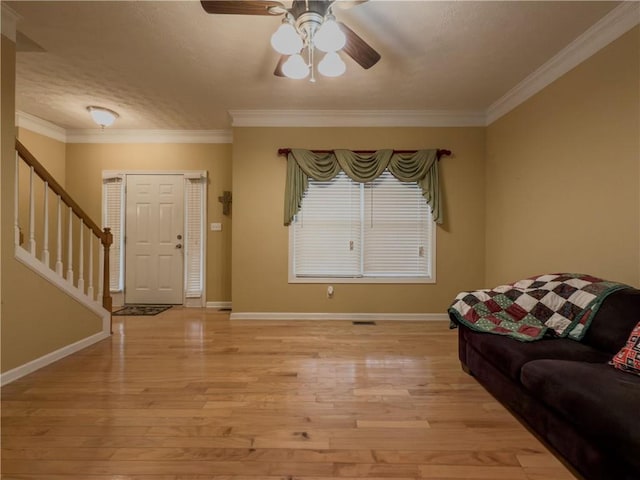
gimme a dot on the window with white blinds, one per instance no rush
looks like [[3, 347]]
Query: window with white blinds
[[378, 231], [112, 217], [194, 236]]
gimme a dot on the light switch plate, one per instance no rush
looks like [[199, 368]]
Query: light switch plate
[[216, 227]]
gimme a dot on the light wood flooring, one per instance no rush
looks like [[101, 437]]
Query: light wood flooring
[[189, 395]]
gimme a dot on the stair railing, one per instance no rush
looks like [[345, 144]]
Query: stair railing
[[83, 277]]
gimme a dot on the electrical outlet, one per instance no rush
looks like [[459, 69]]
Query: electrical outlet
[[330, 291], [216, 227]]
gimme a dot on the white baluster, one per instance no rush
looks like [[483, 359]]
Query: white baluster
[[32, 215], [16, 203], [90, 287], [45, 240], [59, 240], [70, 249], [81, 259], [100, 275]]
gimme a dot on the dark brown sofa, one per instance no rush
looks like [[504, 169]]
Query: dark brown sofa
[[586, 411]]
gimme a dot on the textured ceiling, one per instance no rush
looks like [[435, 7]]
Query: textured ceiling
[[169, 65]]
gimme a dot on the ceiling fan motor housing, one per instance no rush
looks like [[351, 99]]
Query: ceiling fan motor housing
[[308, 23], [298, 7]]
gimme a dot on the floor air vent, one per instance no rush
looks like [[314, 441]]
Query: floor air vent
[[363, 322]]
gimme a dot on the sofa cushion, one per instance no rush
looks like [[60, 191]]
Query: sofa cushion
[[600, 401], [509, 355], [613, 321], [628, 358]]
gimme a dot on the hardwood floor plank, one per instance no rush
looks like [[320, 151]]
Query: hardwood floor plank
[[190, 395], [393, 424], [548, 473], [472, 472]]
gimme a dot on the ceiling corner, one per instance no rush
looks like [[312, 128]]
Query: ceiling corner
[[38, 125], [612, 26]]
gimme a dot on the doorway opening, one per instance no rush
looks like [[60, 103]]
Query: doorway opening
[[158, 223]]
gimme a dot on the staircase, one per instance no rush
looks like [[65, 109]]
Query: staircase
[[55, 238]]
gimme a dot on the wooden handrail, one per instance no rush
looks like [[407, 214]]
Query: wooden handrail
[[105, 236], [42, 172]]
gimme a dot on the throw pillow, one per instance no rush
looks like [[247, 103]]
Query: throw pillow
[[628, 358]]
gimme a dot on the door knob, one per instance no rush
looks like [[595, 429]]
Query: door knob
[[179, 245]]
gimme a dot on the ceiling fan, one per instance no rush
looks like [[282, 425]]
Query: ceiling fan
[[307, 25]]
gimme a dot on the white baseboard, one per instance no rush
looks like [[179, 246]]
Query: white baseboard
[[117, 299], [218, 304], [78, 295], [420, 317], [193, 303], [33, 365]]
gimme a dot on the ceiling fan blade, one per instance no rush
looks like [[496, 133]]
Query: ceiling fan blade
[[278, 71], [358, 49], [347, 4], [243, 7]]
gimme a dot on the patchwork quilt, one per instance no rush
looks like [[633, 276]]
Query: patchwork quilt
[[558, 304]]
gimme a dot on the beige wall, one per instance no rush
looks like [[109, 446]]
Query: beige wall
[[49, 152], [563, 180], [29, 329], [85, 163], [260, 241]]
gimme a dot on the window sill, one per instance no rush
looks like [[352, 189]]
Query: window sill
[[363, 280]]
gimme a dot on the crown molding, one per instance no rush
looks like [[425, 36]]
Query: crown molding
[[8, 22], [48, 129], [612, 26], [38, 125], [149, 136], [357, 118]]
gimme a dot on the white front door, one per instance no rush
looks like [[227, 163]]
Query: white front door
[[154, 239]]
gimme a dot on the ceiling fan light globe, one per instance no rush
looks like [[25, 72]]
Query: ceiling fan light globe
[[295, 67], [286, 40], [332, 65], [329, 37]]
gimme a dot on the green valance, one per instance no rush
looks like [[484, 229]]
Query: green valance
[[420, 167]]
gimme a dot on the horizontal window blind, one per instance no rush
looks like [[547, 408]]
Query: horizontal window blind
[[380, 229], [397, 224], [112, 217], [327, 229], [194, 234]]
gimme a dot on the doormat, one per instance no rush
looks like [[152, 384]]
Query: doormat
[[137, 310]]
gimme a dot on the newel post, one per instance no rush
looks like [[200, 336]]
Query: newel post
[[107, 240]]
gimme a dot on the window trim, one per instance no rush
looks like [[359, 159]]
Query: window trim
[[201, 181], [105, 214], [380, 279]]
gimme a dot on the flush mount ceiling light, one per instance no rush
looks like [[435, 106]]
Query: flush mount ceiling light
[[307, 26], [102, 116]]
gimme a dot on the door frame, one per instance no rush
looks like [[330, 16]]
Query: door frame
[[118, 297]]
